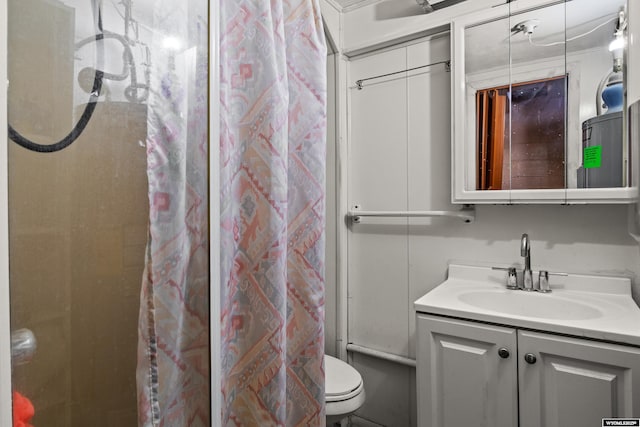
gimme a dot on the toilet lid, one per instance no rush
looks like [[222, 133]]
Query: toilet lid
[[342, 381]]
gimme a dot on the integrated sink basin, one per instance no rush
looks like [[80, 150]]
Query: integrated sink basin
[[528, 304], [598, 307]]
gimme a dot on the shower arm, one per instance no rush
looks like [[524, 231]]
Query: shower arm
[[128, 67], [127, 55], [131, 91]]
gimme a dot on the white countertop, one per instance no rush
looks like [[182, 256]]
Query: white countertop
[[598, 307]]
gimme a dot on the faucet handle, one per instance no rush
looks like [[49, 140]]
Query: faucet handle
[[543, 282], [512, 278]]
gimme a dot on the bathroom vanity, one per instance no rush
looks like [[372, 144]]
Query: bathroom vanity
[[489, 356]]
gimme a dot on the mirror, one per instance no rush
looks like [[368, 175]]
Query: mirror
[[539, 108]]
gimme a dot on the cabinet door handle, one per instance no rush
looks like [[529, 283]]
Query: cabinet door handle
[[503, 352], [530, 358]]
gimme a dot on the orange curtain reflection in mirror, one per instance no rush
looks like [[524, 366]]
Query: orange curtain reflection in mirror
[[491, 110]]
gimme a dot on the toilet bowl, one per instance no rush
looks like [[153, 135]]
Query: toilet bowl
[[344, 391]]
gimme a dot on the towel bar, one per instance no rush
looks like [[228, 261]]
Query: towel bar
[[468, 215]]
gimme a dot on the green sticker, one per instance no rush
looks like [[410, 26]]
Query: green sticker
[[592, 157]]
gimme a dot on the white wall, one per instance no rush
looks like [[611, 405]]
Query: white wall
[[331, 18], [399, 158]]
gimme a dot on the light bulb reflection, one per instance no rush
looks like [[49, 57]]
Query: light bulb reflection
[[616, 44], [172, 43]]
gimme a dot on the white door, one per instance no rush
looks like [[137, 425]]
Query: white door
[[466, 374], [569, 382]]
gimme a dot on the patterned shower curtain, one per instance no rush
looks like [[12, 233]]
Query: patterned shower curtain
[[273, 95], [173, 346]]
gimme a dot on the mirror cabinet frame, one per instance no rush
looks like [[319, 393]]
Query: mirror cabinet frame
[[464, 148]]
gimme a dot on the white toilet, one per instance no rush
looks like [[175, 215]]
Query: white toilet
[[344, 391]]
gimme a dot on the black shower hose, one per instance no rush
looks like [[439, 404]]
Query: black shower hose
[[77, 129]]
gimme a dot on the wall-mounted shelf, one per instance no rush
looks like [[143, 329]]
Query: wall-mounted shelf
[[467, 215]]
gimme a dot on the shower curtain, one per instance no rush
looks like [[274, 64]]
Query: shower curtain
[[173, 346], [273, 95]]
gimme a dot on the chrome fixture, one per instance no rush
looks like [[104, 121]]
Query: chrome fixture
[[527, 283], [23, 346], [466, 214], [525, 251], [543, 282], [616, 47], [512, 279]]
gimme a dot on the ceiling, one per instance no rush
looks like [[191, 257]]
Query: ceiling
[[586, 23], [344, 4], [400, 4]]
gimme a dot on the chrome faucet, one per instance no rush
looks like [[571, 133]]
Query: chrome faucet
[[525, 251]]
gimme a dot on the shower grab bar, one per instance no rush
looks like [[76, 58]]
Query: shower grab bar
[[378, 354], [468, 215]]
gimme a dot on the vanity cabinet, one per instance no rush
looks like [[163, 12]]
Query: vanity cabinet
[[475, 374], [575, 382], [462, 380]]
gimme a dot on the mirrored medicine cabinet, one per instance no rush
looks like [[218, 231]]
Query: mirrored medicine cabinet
[[539, 111]]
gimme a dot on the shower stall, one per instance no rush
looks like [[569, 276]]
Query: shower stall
[[106, 162]]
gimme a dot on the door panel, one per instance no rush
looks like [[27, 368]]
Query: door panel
[[462, 379], [574, 382], [378, 140]]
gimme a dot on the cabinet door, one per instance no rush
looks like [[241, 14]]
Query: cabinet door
[[574, 382], [462, 379]]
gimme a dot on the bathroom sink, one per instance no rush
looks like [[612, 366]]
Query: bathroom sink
[[592, 306], [528, 304]]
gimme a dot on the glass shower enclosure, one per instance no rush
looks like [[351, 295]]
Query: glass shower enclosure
[[81, 84]]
